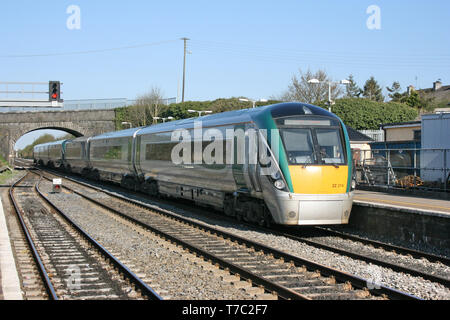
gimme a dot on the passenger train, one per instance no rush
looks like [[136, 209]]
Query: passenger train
[[306, 147]]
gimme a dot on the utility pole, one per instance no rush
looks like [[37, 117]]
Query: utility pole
[[184, 67]]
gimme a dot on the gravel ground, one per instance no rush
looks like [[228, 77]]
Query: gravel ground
[[423, 247], [172, 274], [423, 265], [377, 275]]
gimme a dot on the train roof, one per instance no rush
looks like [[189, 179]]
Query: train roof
[[117, 134], [240, 116], [79, 139], [60, 142], [230, 117]]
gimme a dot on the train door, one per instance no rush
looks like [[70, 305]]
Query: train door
[[245, 165]]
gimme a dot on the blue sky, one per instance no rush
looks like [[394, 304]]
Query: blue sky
[[239, 48]]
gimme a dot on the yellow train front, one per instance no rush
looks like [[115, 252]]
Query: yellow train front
[[315, 183]]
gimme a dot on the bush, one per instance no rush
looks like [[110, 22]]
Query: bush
[[180, 110], [364, 114]]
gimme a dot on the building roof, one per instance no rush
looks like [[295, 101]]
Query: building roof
[[356, 136], [441, 94], [401, 124]]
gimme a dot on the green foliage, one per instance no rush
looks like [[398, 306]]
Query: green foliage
[[352, 89], [3, 162], [364, 114], [372, 90], [394, 91], [5, 176], [419, 101], [360, 114], [180, 110], [121, 115]]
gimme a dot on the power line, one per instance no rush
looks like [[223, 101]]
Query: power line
[[86, 51], [274, 55]]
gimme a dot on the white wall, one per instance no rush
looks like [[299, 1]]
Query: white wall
[[435, 134]]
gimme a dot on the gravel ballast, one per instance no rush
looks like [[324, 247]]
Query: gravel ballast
[[171, 273], [375, 274]]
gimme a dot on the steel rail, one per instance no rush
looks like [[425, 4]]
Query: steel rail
[[390, 247], [51, 292], [339, 275], [142, 286], [284, 293], [362, 257]]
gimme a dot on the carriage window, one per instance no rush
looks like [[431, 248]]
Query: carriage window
[[110, 152]]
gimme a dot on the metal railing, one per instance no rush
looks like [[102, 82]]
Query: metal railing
[[86, 104], [404, 168], [376, 135], [24, 91]]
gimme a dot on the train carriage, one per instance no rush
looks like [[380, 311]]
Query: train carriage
[[50, 154], [111, 156], [288, 163], [76, 158], [312, 183]]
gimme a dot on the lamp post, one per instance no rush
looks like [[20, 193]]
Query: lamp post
[[200, 112], [155, 119], [127, 123], [253, 101], [168, 118], [330, 102]]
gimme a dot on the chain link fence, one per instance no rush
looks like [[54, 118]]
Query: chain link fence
[[404, 168]]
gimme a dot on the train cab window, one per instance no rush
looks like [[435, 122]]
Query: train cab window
[[330, 146], [299, 146], [312, 140]]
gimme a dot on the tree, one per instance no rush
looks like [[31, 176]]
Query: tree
[[394, 91], [416, 100], [302, 91], [148, 106], [352, 89], [372, 90], [27, 152]]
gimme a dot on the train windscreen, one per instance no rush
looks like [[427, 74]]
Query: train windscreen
[[312, 141]]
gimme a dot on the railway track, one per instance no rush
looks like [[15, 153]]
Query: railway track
[[367, 256], [71, 264], [290, 277]]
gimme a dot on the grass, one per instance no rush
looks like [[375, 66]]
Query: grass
[[3, 162], [5, 176]]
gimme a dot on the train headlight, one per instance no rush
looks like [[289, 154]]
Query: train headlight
[[353, 185], [279, 184], [276, 175]]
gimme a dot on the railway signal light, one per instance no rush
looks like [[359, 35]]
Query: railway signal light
[[54, 91]]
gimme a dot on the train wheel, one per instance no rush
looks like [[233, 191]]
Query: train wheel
[[228, 207]]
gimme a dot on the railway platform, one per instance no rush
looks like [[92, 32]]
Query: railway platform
[[409, 218], [9, 278], [405, 203]]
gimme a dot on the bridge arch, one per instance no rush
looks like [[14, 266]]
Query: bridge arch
[[79, 123], [71, 131]]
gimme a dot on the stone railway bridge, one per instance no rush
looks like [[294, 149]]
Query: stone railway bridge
[[79, 123]]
